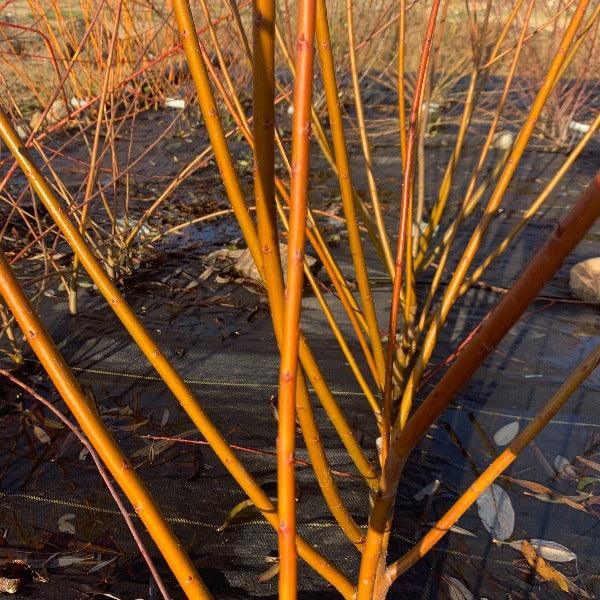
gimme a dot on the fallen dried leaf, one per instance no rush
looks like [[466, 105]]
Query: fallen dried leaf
[[585, 482], [457, 529], [533, 486], [572, 501], [545, 494], [236, 510], [548, 572], [496, 512], [41, 435], [457, 589], [542, 568], [506, 434], [191, 285], [547, 549], [206, 273], [67, 560], [428, 490], [102, 564], [589, 463], [564, 467], [65, 524], [269, 573], [539, 456]]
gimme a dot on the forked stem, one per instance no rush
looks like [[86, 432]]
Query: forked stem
[[538, 272]]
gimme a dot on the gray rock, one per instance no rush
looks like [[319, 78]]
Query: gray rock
[[58, 111], [244, 265], [584, 280], [240, 260]]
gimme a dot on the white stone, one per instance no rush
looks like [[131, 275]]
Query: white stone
[[584, 280], [178, 103], [77, 103], [503, 140], [21, 132], [579, 127]]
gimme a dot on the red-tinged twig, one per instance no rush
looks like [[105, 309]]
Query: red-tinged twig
[[298, 461], [103, 473]]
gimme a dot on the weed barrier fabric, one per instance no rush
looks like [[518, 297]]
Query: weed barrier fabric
[[219, 337]]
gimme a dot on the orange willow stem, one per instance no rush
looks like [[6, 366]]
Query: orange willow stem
[[538, 272], [93, 166], [498, 466], [355, 315], [345, 181], [221, 60], [470, 202], [470, 197], [104, 475], [263, 144], [263, 113], [215, 132], [564, 8], [99, 436], [364, 140], [446, 185], [233, 189], [271, 269], [286, 441], [262, 141], [405, 227], [321, 137], [314, 284], [401, 80], [152, 352], [305, 412], [424, 242]]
